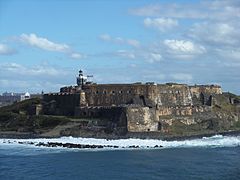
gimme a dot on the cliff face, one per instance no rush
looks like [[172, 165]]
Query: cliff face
[[219, 115], [141, 119]]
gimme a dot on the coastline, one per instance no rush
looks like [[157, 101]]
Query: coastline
[[152, 135]]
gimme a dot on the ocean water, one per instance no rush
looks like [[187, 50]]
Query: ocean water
[[216, 157]]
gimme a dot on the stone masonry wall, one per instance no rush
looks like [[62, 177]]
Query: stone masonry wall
[[61, 103], [172, 95], [205, 89], [149, 95], [113, 95], [141, 119], [142, 94]]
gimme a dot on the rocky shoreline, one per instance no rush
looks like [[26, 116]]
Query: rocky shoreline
[[153, 135], [76, 146], [19, 122], [83, 146]]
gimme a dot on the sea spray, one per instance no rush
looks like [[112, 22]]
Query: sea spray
[[214, 141]]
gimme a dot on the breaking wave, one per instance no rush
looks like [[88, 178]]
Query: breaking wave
[[214, 141]]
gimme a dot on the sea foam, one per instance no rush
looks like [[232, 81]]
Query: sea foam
[[214, 141]]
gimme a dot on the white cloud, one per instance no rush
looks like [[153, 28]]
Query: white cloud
[[126, 54], [170, 10], [152, 57], [31, 86], [133, 42], [162, 24], [183, 47], [43, 43], [139, 54], [219, 33], [208, 9], [153, 76], [145, 53], [39, 70], [233, 53], [181, 77], [157, 52], [221, 38], [5, 83], [156, 56], [179, 45], [230, 64], [20, 78], [5, 50], [210, 27], [105, 37], [133, 65], [119, 40], [76, 56]]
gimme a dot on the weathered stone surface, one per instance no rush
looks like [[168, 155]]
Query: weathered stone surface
[[188, 121], [140, 119]]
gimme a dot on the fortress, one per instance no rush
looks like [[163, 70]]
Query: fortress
[[133, 107]]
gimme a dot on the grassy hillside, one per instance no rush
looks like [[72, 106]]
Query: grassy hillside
[[24, 106], [20, 117]]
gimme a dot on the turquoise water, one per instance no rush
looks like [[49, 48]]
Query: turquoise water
[[20, 162]]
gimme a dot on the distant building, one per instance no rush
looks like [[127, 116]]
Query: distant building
[[8, 98], [25, 96]]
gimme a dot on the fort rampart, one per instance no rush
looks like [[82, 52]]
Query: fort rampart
[[137, 107]]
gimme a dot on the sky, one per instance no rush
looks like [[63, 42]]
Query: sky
[[43, 44]]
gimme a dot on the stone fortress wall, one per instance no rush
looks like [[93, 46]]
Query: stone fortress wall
[[138, 107], [61, 103], [146, 94]]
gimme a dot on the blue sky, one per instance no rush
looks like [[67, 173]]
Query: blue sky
[[43, 44]]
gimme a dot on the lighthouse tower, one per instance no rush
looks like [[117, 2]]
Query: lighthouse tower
[[81, 79]]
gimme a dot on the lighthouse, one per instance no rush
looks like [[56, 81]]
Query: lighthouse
[[81, 79]]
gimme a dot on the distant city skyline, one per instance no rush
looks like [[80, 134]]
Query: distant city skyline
[[43, 44]]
